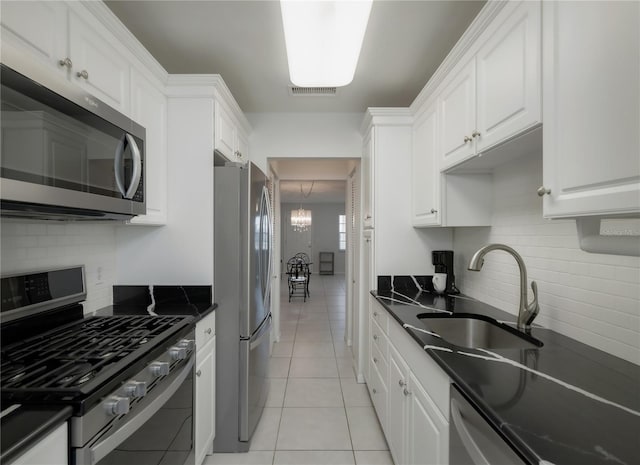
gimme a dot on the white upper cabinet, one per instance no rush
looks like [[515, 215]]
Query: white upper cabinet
[[367, 164], [424, 170], [494, 93], [229, 140], [79, 47], [97, 65], [508, 78], [149, 109], [457, 106], [39, 28], [591, 157]]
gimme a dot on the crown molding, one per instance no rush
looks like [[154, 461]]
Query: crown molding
[[392, 116], [464, 44]]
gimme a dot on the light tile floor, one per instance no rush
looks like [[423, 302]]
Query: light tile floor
[[316, 413]]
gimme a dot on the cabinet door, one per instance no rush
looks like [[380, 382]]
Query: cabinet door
[[397, 406], [205, 404], [591, 108], [367, 179], [39, 28], [242, 152], [104, 72], [457, 109], [508, 77], [149, 109], [225, 133], [425, 173], [428, 430]]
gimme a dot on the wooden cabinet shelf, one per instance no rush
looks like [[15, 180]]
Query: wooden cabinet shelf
[[325, 263]]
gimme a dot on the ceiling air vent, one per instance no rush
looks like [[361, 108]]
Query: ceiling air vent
[[312, 91]]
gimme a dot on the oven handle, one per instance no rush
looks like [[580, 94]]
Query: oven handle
[[99, 451]]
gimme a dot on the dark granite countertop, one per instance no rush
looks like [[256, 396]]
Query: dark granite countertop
[[26, 425], [160, 300], [562, 403]]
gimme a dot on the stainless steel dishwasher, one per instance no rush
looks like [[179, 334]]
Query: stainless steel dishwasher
[[472, 441]]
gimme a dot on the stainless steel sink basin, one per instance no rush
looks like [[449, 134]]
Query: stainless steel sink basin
[[478, 333]]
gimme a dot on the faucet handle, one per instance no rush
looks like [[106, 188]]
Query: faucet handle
[[533, 308]]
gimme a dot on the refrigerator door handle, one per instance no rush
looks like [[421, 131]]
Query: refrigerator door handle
[[261, 333]]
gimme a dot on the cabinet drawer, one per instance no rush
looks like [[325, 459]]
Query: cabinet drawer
[[381, 365], [205, 330], [378, 392], [380, 316], [379, 339]]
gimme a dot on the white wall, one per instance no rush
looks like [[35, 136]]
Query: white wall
[[182, 251], [38, 245], [304, 135], [325, 232], [593, 298], [401, 249]]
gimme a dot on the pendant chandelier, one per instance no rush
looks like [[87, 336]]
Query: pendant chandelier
[[301, 218]]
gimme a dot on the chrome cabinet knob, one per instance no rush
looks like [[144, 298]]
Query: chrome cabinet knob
[[188, 344], [475, 134], [375, 337], [433, 210], [177, 353], [467, 139], [542, 191], [66, 62], [374, 391], [367, 217], [199, 373], [406, 392], [117, 405], [208, 330], [159, 368], [375, 360], [83, 74], [136, 389], [402, 383], [375, 313]]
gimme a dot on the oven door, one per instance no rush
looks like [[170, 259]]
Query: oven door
[[157, 430]]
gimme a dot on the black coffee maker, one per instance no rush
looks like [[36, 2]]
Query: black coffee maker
[[443, 262]]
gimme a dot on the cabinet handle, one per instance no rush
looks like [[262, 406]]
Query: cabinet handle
[[199, 373], [375, 360], [406, 392], [208, 330], [433, 210], [375, 337], [402, 383], [374, 390], [83, 74], [368, 217], [467, 139], [238, 154], [66, 62], [475, 134], [375, 313], [542, 191]]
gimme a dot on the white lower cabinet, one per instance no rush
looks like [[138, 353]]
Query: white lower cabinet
[[205, 388], [412, 401], [427, 441], [53, 449]]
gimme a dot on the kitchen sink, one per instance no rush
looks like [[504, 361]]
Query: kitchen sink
[[477, 332]]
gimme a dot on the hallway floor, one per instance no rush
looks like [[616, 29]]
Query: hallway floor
[[316, 414]]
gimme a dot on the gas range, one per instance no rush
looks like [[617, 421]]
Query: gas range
[[116, 372]]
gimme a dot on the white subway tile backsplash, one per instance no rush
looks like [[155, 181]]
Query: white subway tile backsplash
[[31, 245], [594, 298]]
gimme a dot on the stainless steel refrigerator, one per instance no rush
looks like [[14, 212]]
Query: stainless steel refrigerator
[[242, 239]]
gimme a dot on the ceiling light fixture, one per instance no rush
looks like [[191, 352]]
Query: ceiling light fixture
[[324, 39], [301, 218]]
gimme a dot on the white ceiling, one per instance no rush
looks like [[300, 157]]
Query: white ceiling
[[306, 192], [324, 177], [243, 41]]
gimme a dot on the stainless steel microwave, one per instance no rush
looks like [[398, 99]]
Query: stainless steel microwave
[[64, 154]]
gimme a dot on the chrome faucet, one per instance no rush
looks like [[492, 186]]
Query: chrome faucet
[[527, 311]]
